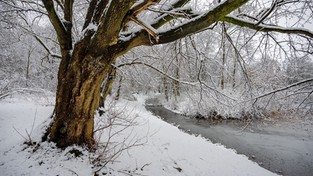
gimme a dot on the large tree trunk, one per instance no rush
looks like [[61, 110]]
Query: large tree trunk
[[79, 80]]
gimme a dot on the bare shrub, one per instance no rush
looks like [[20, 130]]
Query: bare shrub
[[114, 134]]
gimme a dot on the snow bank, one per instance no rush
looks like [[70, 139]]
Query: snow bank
[[165, 151], [169, 151]]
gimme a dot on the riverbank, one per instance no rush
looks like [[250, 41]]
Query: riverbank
[[283, 146]]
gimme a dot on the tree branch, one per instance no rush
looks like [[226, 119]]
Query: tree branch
[[111, 24], [90, 12], [46, 48], [173, 78], [68, 10], [193, 25], [203, 21], [60, 4], [99, 10], [160, 21], [267, 12], [68, 15], [156, 69], [163, 19], [57, 24], [142, 6], [284, 88], [133, 12], [266, 28], [149, 29]]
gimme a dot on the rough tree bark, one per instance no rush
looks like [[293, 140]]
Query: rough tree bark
[[82, 70], [77, 98]]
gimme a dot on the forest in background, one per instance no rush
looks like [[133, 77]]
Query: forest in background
[[225, 70]]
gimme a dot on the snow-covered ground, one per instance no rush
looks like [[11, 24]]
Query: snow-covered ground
[[160, 149]]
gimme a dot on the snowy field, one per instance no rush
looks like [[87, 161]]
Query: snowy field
[[149, 146]]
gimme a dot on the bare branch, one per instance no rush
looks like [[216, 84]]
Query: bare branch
[[90, 13], [168, 16], [46, 48], [57, 24], [60, 4], [158, 70], [163, 19], [284, 88], [267, 13], [142, 6], [266, 28]]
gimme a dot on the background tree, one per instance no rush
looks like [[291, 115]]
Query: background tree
[[25, 65]]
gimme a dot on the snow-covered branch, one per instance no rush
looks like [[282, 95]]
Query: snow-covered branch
[[267, 12], [46, 48], [170, 15], [57, 24], [158, 70], [284, 88], [203, 21], [110, 24], [191, 26], [266, 28], [142, 6], [147, 27], [196, 83], [94, 12]]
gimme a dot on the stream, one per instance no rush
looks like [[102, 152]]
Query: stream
[[285, 148]]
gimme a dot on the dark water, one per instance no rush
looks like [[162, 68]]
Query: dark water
[[282, 150]]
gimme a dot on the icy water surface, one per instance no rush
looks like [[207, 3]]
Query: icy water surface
[[284, 148]]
